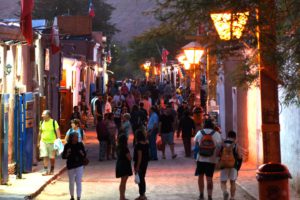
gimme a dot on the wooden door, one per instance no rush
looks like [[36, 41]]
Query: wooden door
[[66, 109]]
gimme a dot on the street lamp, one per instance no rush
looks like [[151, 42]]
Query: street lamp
[[193, 52], [182, 60], [146, 67], [230, 25]]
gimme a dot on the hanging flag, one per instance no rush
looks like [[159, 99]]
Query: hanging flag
[[91, 9], [164, 55], [55, 47], [26, 20]]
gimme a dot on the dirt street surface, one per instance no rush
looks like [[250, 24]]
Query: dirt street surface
[[166, 179]]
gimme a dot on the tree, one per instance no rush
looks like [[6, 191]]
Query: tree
[[48, 9], [187, 15], [150, 44]]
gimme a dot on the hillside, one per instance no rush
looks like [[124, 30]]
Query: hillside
[[127, 16], [9, 9]]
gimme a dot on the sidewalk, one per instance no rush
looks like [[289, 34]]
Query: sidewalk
[[31, 183], [247, 181]]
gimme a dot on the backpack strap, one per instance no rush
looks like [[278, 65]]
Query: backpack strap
[[53, 122], [211, 133], [202, 132]]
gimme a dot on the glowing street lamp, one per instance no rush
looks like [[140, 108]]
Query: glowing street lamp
[[193, 53], [230, 25], [146, 67], [182, 60]]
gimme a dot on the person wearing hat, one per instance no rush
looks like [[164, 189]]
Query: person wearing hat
[[48, 133]]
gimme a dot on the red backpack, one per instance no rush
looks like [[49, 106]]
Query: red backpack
[[207, 145]]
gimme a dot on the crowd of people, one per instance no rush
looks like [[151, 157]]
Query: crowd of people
[[152, 115]]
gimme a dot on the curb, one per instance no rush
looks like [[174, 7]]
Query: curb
[[246, 191], [36, 193]]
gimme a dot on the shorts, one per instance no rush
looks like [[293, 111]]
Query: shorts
[[228, 174], [205, 168], [167, 138], [46, 150]]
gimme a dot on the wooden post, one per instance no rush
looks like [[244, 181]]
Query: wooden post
[[268, 80]]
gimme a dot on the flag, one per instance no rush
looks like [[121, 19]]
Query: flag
[[164, 55], [26, 20], [91, 9], [55, 47]]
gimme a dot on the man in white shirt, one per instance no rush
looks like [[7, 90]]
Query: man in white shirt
[[209, 143]]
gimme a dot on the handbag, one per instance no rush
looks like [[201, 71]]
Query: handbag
[[58, 146], [159, 145], [137, 178], [85, 161]]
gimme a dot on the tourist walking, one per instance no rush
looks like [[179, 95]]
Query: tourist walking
[[141, 158], [113, 132], [230, 163], [126, 126], [123, 165], [48, 133], [166, 130], [209, 142], [152, 130], [75, 154], [103, 137], [75, 129], [187, 128]]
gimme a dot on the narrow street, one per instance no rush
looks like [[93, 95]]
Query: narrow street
[[166, 179]]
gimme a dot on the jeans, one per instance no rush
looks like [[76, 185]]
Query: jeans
[[152, 144], [75, 175]]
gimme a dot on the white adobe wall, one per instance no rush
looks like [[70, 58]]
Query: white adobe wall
[[290, 140], [254, 126]]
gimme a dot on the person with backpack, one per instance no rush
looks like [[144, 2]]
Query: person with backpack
[[48, 133], [230, 163], [209, 143], [75, 128]]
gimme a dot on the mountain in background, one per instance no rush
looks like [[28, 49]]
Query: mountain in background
[[9, 9], [128, 16]]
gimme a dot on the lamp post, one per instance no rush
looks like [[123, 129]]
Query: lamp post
[[266, 37], [146, 67], [193, 53], [230, 26]]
